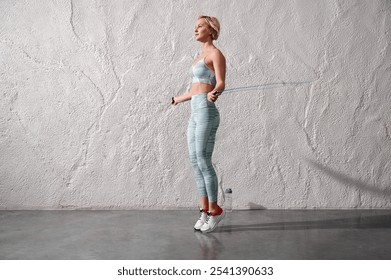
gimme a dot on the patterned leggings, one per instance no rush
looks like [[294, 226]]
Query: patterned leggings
[[201, 135]]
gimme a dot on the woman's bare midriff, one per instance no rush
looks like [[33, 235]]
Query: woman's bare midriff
[[199, 88]]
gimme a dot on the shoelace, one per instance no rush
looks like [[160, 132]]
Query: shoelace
[[208, 215], [201, 211]]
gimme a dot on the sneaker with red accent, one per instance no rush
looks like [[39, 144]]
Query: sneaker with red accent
[[201, 221], [212, 220]]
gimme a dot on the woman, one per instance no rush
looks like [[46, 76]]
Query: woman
[[208, 82]]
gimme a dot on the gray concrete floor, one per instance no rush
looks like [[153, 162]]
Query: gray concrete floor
[[255, 234]]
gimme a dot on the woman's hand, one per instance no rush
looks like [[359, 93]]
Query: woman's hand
[[173, 101], [213, 95]]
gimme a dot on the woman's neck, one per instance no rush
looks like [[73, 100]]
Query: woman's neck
[[207, 46]]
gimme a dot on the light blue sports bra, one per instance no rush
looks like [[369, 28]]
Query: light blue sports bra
[[202, 74]]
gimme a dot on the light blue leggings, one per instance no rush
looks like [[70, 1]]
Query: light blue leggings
[[201, 135]]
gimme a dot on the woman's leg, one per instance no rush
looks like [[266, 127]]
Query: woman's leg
[[198, 174], [206, 123], [204, 203], [191, 141], [213, 207], [205, 135]]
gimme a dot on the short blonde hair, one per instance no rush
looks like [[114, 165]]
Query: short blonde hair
[[214, 25]]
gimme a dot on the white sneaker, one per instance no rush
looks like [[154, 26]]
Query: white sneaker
[[201, 221], [212, 222]]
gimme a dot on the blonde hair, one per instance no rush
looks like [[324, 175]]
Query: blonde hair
[[214, 25]]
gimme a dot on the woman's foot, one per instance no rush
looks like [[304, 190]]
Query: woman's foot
[[201, 221], [212, 220]]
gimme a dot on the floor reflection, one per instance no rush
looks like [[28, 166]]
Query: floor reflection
[[210, 246]]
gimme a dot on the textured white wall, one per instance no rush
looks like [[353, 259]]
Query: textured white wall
[[85, 120]]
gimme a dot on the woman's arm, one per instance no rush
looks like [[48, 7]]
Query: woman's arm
[[219, 66], [181, 98]]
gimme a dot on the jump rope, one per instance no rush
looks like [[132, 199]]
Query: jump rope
[[264, 86], [258, 87], [248, 88]]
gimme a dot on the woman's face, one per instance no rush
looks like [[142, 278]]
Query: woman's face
[[202, 31]]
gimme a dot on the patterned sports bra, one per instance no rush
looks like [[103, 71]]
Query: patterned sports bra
[[202, 74]]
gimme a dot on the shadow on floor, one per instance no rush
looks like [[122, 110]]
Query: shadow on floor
[[368, 222]]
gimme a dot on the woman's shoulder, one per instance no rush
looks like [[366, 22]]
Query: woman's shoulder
[[216, 53]]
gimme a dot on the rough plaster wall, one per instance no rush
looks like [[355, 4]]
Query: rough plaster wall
[[85, 120]]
